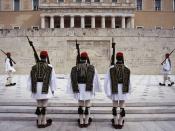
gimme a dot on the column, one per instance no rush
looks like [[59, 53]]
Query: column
[[132, 22], [72, 22], [82, 22], [93, 22], [123, 22], [51, 22], [62, 21], [42, 22], [113, 21], [103, 21]]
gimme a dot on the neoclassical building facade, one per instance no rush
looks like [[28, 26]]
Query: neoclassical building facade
[[27, 14]]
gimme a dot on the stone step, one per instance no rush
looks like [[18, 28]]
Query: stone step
[[94, 103], [95, 117], [94, 110]]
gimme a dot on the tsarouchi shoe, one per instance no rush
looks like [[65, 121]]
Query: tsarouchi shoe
[[89, 122], [121, 126], [172, 83], [161, 84]]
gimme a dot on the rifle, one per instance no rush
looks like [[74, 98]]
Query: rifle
[[48, 61], [35, 53], [78, 53], [8, 57], [169, 55], [113, 54]]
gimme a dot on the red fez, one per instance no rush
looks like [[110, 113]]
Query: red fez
[[43, 53], [84, 55], [8, 53], [167, 55], [119, 54]]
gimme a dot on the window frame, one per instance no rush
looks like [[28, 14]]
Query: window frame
[[0, 5], [16, 27], [158, 27], [140, 27], [33, 5], [141, 6], [160, 6], [87, 1], [78, 2], [14, 5], [97, 1], [35, 27], [58, 1], [116, 1]]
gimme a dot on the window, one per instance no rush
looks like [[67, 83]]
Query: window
[[35, 27], [158, 27], [78, 1], [35, 4], [114, 1], [139, 4], [16, 27], [0, 5], [173, 5], [139, 27], [157, 5], [60, 1], [88, 1], [87, 20], [96, 0], [16, 5]]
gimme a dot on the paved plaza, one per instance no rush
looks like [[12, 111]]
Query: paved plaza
[[145, 88], [96, 126], [150, 107]]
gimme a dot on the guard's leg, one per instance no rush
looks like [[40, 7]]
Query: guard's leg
[[87, 113], [164, 80], [9, 78], [44, 111], [80, 112], [114, 113], [38, 113], [122, 113], [171, 82]]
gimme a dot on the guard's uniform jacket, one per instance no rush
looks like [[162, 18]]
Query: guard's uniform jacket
[[42, 81]]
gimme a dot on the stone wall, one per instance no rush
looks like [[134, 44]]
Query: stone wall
[[143, 49]]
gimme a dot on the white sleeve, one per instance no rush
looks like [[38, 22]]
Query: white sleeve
[[7, 65], [69, 86], [53, 82], [107, 84], [29, 85], [96, 83], [130, 88], [166, 65]]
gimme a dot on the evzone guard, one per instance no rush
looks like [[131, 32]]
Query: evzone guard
[[83, 84], [42, 84], [117, 87], [9, 69], [166, 71]]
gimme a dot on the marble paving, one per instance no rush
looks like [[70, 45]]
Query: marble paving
[[144, 88], [95, 126]]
